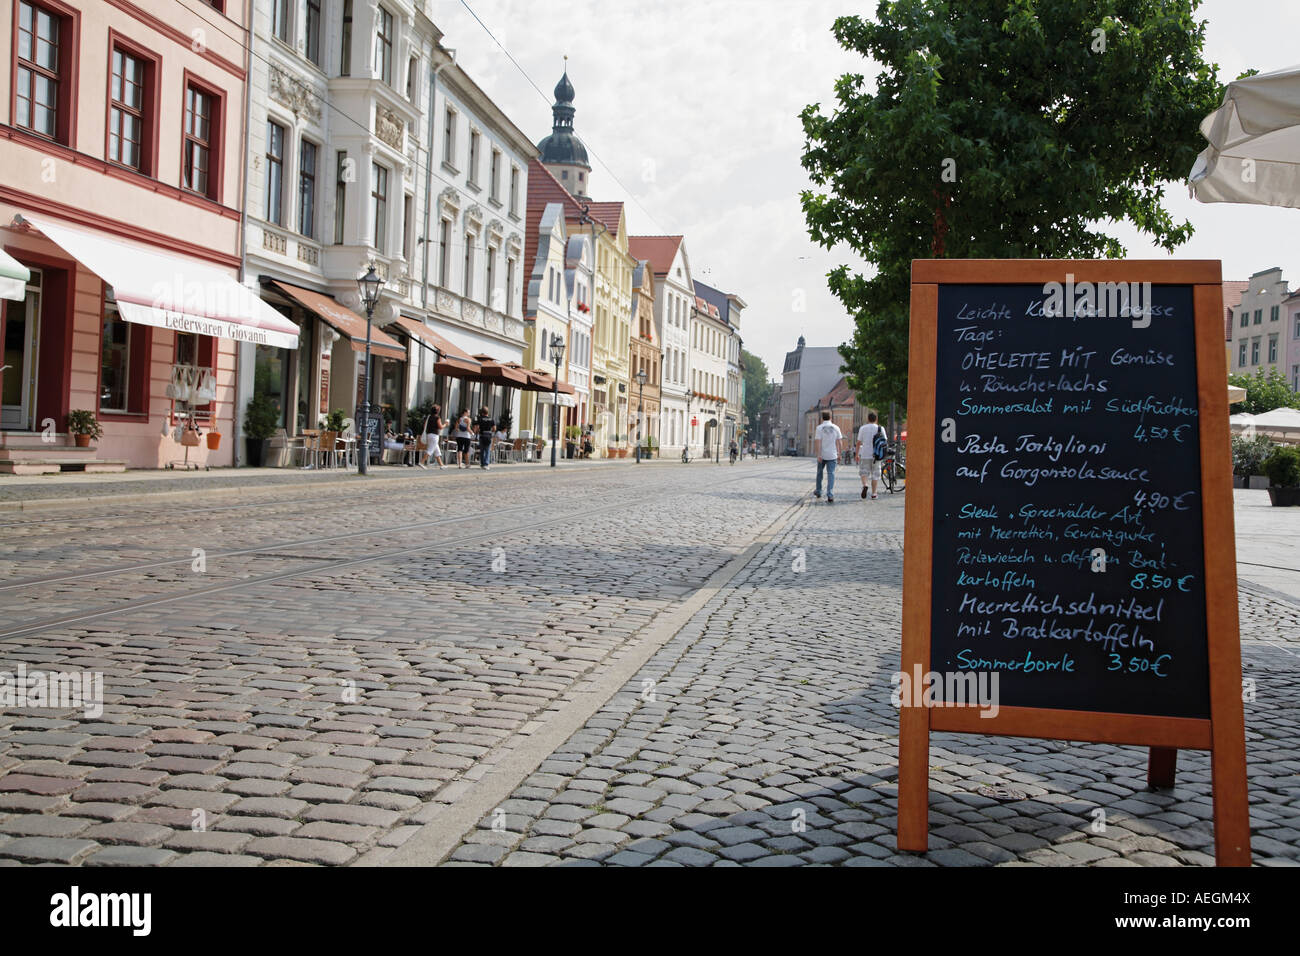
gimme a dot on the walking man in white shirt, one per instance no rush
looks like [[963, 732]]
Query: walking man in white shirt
[[827, 441], [868, 464]]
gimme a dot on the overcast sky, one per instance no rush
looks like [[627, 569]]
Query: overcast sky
[[694, 107]]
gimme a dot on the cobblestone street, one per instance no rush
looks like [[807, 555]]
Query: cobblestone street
[[689, 666]]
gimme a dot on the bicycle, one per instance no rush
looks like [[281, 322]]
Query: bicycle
[[893, 471], [733, 456]]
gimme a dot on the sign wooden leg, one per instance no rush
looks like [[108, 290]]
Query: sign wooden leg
[[1231, 807], [1161, 764], [914, 779]]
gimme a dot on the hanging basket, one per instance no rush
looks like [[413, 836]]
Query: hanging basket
[[214, 440]]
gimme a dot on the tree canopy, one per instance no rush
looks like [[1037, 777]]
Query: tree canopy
[[997, 129], [1265, 391], [758, 390]]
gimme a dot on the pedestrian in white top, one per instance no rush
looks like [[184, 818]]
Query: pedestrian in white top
[[868, 463], [827, 440]]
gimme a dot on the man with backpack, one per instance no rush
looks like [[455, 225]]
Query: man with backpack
[[873, 440], [826, 441]]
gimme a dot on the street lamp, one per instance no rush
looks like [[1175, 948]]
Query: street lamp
[[557, 356], [686, 438], [640, 410], [369, 286], [717, 434]]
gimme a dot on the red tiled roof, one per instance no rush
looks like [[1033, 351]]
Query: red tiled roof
[[544, 189], [659, 250], [1232, 293]]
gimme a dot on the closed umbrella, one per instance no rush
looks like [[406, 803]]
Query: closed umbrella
[[1254, 142]]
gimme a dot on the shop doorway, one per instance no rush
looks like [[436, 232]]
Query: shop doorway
[[22, 330]]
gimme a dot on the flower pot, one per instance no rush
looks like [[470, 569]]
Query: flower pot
[[81, 441], [1284, 497], [1239, 481], [256, 448], [214, 440]]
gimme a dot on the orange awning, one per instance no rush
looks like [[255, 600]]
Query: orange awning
[[347, 322], [452, 360], [501, 373]]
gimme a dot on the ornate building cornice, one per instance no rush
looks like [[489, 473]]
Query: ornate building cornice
[[289, 91]]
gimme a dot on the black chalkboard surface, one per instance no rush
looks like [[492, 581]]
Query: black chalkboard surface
[[1067, 442]]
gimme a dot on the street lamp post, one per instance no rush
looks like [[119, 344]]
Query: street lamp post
[[686, 438], [717, 437], [369, 286], [557, 356], [640, 410]]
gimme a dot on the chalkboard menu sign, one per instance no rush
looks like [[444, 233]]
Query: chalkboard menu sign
[[1067, 521], [372, 428], [1069, 569]]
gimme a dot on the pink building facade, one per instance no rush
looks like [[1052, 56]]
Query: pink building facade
[[121, 138]]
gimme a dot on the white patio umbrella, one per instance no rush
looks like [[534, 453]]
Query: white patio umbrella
[[1254, 151], [1280, 421], [1242, 423]]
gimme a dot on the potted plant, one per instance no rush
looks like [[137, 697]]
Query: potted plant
[[260, 421], [1283, 470], [506, 421], [83, 427], [572, 434], [417, 415], [1248, 456], [333, 422]]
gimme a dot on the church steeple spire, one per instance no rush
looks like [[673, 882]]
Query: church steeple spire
[[562, 152]]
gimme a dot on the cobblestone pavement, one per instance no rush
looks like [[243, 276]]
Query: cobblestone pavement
[[339, 691], [762, 735], [343, 694]]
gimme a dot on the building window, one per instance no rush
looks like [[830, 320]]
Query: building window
[[514, 190], [307, 189], [412, 77], [379, 205], [472, 176], [489, 276], [1254, 352], [313, 32], [469, 265], [1273, 313], [274, 173], [1259, 315], [201, 119], [44, 77], [280, 20], [444, 253], [408, 225], [384, 44], [494, 180], [449, 137], [345, 41], [1272, 349], [129, 110], [341, 177], [124, 362], [1297, 325], [1245, 318]]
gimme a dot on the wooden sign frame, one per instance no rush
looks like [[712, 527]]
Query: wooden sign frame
[[1223, 733]]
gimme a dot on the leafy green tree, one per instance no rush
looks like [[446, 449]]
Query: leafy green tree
[[758, 390], [997, 129], [1265, 391]]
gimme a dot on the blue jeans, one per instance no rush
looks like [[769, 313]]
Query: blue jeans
[[484, 453], [829, 468]]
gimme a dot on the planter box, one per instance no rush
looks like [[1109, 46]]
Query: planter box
[[1258, 482], [1284, 497]]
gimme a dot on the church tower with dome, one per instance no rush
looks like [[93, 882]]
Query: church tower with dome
[[562, 152]]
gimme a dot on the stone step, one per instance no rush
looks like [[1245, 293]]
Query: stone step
[[53, 466], [52, 452]]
